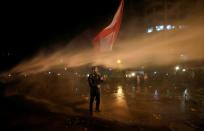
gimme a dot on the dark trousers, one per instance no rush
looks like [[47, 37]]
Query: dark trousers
[[94, 94]]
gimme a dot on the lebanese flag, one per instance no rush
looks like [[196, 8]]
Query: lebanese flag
[[105, 39]]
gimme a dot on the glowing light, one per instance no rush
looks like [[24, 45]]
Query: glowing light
[[120, 97], [181, 26], [58, 74], [133, 74], [159, 28], [145, 76], [49, 72], [184, 70], [150, 30], [183, 57], [186, 94], [65, 68], [129, 76], [155, 72], [177, 68], [119, 61], [87, 75], [9, 75], [168, 27], [120, 91]]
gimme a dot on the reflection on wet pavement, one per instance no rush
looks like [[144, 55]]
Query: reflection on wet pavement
[[129, 103], [120, 97]]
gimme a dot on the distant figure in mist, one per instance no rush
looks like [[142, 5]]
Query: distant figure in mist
[[95, 79]]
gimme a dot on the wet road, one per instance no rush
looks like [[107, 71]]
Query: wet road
[[175, 107], [146, 106]]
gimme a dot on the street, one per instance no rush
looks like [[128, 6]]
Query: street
[[158, 105]]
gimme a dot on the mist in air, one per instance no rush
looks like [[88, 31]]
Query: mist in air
[[154, 49]]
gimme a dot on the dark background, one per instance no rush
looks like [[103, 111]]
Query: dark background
[[26, 27]]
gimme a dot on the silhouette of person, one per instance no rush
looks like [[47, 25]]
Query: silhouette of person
[[94, 80]]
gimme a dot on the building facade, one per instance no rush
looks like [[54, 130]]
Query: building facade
[[170, 13]]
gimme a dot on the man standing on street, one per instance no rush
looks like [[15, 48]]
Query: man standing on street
[[95, 80]]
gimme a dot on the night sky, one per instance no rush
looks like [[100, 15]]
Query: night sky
[[28, 27]]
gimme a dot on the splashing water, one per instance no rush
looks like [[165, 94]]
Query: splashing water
[[155, 49]]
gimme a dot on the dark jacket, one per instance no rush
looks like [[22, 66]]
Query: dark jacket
[[94, 80]]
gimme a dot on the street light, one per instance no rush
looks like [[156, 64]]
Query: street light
[[168, 27], [177, 68], [184, 70], [87, 75], [119, 61], [150, 30], [133, 74]]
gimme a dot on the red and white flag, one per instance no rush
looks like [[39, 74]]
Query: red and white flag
[[105, 39]]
